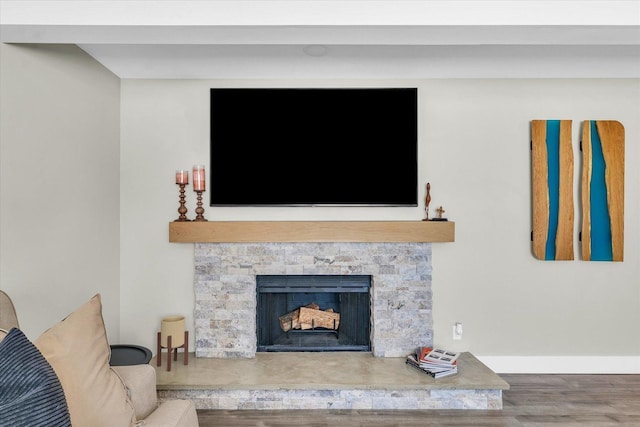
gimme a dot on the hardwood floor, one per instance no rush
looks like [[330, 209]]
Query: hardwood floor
[[532, 401]]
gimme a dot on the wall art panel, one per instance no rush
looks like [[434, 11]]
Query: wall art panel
[[602, 190], [552, 179]]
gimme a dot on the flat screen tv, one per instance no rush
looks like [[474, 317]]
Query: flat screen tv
[[314, 147]]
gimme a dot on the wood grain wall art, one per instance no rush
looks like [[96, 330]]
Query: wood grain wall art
[[552, 179], [602, 190]]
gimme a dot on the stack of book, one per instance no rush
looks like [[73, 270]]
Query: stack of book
[[434, 361]]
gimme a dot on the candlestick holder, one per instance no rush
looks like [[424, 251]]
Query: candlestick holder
[[182, 210], [199, 208]]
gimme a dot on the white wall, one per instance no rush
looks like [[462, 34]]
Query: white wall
[[59, 226], [510, 303], [474, 149], [59, 174]]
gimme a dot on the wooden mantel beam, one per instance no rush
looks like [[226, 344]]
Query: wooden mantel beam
[[311, 231]]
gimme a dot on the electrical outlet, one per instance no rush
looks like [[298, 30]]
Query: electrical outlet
[[457, 331]]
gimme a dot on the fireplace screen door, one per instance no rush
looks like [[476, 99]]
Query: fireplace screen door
[[313, 313]]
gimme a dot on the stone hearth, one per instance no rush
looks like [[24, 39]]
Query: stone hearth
[[327, 380], [225, 290]]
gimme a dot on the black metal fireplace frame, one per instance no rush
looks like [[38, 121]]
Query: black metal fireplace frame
[[353, 289]]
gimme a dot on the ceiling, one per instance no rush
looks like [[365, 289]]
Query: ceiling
[[340, 39]]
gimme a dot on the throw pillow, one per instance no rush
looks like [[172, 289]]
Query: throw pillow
[[30, 392], [78, 350]]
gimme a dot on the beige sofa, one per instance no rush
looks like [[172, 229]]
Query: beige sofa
[[95, 393]]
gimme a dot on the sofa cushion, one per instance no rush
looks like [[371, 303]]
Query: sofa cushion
[[30, 393], [78, 350]]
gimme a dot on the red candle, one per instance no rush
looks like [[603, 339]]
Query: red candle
[[198, 178], [182, 177]]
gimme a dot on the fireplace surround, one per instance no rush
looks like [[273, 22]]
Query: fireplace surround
[[395, 254], [226, 303]]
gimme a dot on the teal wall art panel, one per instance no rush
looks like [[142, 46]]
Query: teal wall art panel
[[552, 182], [602, 189]]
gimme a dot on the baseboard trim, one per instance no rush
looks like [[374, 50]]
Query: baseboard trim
[[562, 364]]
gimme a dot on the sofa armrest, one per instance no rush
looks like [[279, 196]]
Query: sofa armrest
[[140, 381]]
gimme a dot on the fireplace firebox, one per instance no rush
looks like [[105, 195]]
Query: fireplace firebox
[[342, 305]]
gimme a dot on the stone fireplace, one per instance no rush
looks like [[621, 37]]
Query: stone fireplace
[[226, 292], [398, 273]]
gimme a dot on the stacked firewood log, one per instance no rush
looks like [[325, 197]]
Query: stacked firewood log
[[308, 317]]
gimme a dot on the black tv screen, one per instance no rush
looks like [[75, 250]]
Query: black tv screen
[[314, 147]]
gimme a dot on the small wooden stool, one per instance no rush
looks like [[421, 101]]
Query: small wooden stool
[[185, 346]]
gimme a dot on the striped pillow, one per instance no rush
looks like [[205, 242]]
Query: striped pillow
[[30, 393]]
